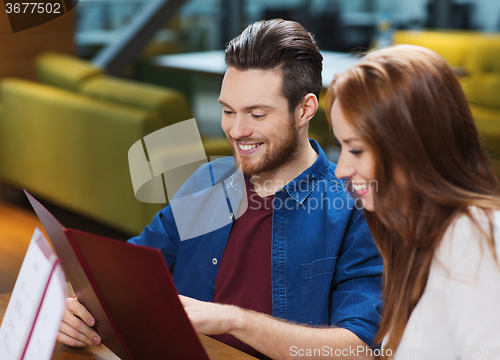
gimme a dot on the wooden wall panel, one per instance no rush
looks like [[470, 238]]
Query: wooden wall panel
[[19, 50]]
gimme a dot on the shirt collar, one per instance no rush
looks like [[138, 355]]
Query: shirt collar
[[300, 187]]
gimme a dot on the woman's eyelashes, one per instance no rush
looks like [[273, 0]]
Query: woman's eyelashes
[[352, 151], [355, 151]]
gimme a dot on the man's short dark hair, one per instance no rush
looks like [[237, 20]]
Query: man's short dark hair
[[282, 45]]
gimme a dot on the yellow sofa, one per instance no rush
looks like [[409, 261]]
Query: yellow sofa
[[453, 45], [67, 138], [476, 58]]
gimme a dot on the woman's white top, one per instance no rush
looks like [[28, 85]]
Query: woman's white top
[[458, 315]]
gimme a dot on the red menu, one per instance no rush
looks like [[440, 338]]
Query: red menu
[[129, 291]]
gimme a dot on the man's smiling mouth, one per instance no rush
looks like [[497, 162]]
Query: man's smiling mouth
[[247, 147]]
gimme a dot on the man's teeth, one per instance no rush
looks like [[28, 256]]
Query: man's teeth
[[247, 147], [359, 187]]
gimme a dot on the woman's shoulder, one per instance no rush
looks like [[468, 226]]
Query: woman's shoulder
[[459, 307], [472, 228], [465, 250], [463, 289]]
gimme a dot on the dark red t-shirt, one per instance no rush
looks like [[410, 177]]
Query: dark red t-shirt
[[244, 277]]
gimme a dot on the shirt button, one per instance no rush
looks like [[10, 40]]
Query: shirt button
[[231, 216], [214, 261]]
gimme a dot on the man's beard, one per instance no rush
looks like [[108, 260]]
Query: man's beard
[[284, 153]]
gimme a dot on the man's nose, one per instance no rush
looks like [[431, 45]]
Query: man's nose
[[240, 128]]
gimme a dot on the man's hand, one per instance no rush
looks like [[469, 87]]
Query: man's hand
[[273, 337], [209, 318], [76, 326]]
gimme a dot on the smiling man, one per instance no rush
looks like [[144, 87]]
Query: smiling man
[[266, 137], [301, 255]]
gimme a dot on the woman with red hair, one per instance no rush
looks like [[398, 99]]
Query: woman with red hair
[[411, 153]]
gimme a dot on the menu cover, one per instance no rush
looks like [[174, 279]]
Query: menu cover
[[129, 291]]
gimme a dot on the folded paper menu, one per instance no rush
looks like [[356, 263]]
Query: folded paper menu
[[32, 319], [129, 291]]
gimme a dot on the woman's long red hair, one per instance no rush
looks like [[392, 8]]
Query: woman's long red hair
[[409, 107]]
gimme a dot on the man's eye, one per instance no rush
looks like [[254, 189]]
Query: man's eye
[[228, 112], [258, 116]]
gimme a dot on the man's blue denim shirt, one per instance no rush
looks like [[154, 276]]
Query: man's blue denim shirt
[[326, 269]]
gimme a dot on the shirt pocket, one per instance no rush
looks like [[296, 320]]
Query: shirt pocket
[[316, 288]]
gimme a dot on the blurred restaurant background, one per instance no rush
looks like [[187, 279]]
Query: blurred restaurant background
[[77, 92]]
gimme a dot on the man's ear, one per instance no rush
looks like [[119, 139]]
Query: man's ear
[[308, 108]]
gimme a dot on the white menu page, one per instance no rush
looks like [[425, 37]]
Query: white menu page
[[31, 323]]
